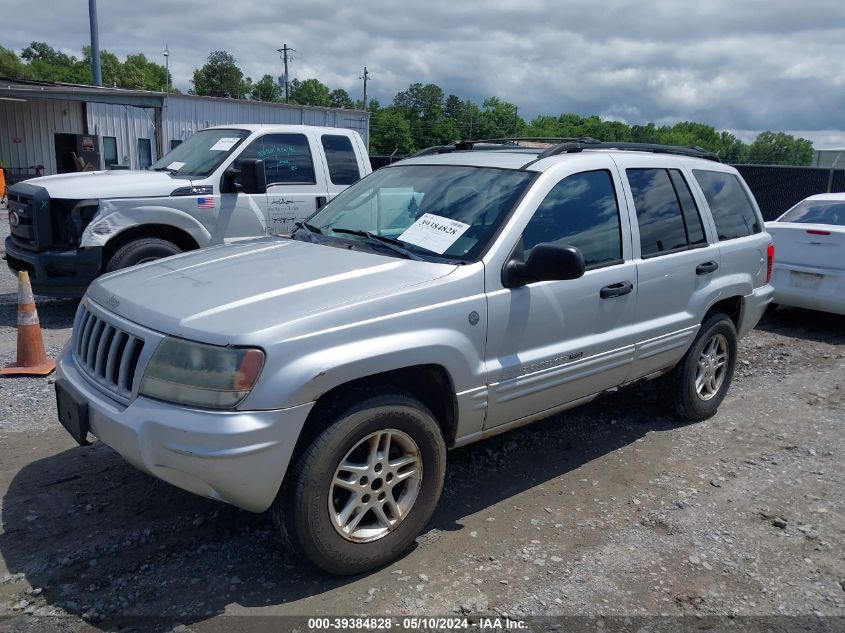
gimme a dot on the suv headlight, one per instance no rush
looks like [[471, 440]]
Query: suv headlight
[[201, 375]]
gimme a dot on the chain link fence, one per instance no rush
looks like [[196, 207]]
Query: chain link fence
[[779, 188]]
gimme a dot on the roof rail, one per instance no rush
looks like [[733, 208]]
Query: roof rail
[[464, 146], [572, 147]]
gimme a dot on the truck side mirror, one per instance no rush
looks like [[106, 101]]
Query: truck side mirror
[[253, 178], [547, 262]]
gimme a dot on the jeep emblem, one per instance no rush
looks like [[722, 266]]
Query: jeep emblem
[[113, 302]]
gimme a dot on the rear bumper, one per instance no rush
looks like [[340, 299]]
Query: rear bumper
[[753, 308], [239, 457], [56, 273], [808, 287]]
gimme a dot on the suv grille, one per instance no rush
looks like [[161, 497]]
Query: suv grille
[[107, 354]]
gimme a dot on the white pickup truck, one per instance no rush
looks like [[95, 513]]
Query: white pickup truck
[[221, 184]]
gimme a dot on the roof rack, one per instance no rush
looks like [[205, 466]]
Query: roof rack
[[577, 146], [496, 143]]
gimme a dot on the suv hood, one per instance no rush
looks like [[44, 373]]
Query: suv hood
[[109, 184], [229, 294]]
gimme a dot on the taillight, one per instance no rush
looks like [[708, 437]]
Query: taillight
[[817, 232], [770, 263]]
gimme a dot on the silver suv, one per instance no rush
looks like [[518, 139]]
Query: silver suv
[[463, 292]]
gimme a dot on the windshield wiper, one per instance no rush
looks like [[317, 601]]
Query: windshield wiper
[[310, 230], [389, 242], [172, 172]]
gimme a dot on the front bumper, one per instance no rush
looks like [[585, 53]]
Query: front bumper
[[56, 273], [753, 308], [239, 457]]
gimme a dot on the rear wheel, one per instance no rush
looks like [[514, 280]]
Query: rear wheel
[[695, 388], [366, 487], [141, 251]]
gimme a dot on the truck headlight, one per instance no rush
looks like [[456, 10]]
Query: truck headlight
[[201, 375]]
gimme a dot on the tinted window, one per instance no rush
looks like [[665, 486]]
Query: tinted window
[[692, 218], [816, 212], [174, 143], [581, 211], [732, 211], [145, 153], [658, 211], [343, 165], [109, 151], [287, 158]]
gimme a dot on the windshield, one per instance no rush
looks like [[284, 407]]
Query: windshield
[[440, 211], [816, 212], [201, 154]]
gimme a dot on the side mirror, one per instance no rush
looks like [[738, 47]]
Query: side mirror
[[547, 262], [253, 178]]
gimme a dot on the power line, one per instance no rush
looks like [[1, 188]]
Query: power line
[[284, 50], [365, 77]]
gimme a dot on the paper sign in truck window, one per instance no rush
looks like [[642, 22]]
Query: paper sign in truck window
[[224, 145], [434, 233]]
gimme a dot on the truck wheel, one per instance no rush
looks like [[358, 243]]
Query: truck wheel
[[695, 388], [366, 487], [140, 251]]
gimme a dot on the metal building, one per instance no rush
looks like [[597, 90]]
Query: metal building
[[829, 158], [66, 127]]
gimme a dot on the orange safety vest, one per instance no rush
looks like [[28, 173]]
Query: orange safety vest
[[2, 183]]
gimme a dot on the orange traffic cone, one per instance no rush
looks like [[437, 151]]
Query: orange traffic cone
[[32, 359]]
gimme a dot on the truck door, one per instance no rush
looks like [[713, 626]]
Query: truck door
[[295, 182], [343, 164], [241, 214]]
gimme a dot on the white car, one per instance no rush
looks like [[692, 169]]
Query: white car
[[810, 254]]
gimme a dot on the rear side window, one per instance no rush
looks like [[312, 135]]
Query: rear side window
[[341, 159], [732, 211], [815, 212], [692, 218], [581, 211]]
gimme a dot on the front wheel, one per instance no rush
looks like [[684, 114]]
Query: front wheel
[[695, 388], [366, 486], [141, 251]]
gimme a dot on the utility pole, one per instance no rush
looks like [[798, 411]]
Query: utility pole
[[167, 67], [365, 77], [95, 43], [284, 78]]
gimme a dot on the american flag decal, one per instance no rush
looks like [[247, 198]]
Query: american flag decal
[[206, 202]]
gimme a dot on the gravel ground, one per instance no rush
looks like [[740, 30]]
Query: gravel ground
[[612, 509]]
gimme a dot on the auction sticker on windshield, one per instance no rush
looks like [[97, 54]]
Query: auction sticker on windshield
[[434, 233], [224, 144]]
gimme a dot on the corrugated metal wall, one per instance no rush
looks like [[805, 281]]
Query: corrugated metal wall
[[127, 124], [184, 115], [33, 123]]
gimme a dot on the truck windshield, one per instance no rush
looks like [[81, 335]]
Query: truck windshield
[[446, 212], [201, 154]]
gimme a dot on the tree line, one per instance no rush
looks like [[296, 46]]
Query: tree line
[[420, 116]]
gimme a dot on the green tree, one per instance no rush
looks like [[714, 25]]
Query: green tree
[[11, 66], [266, 89], [47, 64], [310, 92], [390, 131], [340, 99], [770, 148], [220, 77]]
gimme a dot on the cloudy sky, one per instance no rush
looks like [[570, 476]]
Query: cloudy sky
[[741, 65]]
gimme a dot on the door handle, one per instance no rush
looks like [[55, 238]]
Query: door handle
[[616, 290], [706, 268], [322, 201]]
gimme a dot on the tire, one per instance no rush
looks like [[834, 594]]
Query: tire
[[139, 251], [311, 497], [680, 390]]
